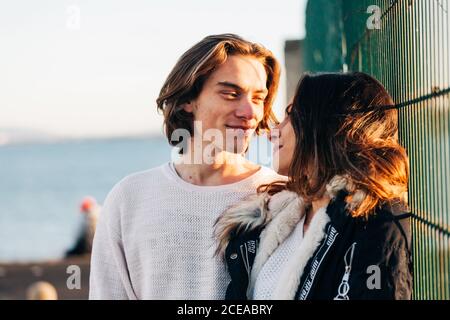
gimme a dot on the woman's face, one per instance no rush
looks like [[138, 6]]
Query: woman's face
[[283, 139]]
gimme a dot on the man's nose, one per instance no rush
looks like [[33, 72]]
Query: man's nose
[[246, 109]]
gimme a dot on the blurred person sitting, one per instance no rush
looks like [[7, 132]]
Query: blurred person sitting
[[90, 210]]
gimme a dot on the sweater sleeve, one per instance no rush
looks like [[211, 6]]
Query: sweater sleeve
[[109, 276]]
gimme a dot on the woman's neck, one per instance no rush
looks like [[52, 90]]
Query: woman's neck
[[312, 210]]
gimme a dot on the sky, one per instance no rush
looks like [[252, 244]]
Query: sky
[[94, 68]]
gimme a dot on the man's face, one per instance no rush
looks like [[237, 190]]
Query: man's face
[[232, 102]]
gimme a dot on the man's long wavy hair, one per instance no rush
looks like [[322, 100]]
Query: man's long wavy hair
[[341, 129], [186, 79]]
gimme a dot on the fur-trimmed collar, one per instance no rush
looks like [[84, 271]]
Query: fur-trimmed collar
[[260, 209], [280, 214]]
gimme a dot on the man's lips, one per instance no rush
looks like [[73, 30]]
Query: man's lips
[[241, 131], [245, 128]]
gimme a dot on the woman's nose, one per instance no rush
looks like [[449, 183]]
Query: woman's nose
[[274, 134]]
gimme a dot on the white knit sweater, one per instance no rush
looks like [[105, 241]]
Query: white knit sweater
[[154, 237], [269, 276]]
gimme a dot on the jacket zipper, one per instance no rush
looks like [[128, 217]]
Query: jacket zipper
[[344, 287]]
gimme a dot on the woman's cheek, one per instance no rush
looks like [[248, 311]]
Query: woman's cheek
[[286, 155]]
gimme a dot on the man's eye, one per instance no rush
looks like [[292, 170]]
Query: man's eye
[[259, 99], [230, 95]]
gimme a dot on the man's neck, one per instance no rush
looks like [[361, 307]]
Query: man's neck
[[224, 168]]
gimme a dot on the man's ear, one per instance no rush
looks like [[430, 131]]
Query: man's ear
[[188, 106]]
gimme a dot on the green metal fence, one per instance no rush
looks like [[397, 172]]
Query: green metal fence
[[409, 52]]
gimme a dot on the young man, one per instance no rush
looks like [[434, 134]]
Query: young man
[[154, 237]]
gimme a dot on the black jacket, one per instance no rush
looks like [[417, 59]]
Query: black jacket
[[375, 252]]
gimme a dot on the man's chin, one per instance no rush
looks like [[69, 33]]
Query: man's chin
[[238, 149], [235, 151], [237, 146]]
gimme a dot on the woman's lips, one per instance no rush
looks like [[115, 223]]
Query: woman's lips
[[278, 148]]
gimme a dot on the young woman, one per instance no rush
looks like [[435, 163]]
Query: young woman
[[337, 229]]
